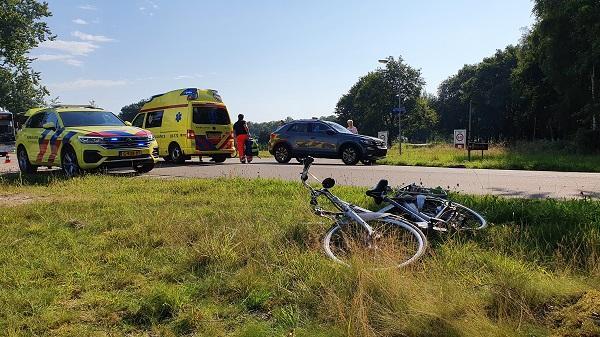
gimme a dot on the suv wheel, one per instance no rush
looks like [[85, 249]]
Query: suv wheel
[[69, 163], [282, 153], [24, 163], [176, 154], [350, 155]]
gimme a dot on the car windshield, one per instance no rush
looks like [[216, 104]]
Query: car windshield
[[90, 118], [338, 127]]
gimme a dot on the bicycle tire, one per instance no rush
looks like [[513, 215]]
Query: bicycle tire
[[345, 242], [457, 216], [462, 218]]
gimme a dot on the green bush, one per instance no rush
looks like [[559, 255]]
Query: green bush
[[588, 141]]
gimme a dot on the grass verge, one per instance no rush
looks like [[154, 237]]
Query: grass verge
[[105, 255], [537, 156]]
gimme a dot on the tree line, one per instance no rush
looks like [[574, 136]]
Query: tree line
[[545, 87]]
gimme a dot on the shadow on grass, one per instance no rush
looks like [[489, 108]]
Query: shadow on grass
[[46, 178]]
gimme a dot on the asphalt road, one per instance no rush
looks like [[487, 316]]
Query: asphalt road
[[510, 183]]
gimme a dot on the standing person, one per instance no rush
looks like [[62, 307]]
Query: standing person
[[351, 127], [241, 133]]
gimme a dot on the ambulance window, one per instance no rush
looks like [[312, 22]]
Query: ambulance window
[[154, 119], [138, 121], [211, 115]]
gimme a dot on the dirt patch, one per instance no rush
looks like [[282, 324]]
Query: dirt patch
[[11, 200], [581, 319]]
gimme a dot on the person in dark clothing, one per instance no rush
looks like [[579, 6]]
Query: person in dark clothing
[[241, 134]]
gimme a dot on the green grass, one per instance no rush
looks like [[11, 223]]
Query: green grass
[[551, 156], [104, 255]]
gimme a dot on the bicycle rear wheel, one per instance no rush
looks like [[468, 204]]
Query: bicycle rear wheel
[[396, 243], [462, 218], [455, 215]]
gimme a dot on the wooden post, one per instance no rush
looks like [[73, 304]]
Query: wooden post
[[593, 98]]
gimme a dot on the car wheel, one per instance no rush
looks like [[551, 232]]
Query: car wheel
[[282, 153], [219, 158], [176, 154], [350, 155], [300, 160], [144, 168], [24, 164], [69, 163]]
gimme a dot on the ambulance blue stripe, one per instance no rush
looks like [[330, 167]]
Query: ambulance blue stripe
[[68, 137], [43, 136], [55, 136]]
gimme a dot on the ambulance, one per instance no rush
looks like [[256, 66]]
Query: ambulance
[[188, 122]]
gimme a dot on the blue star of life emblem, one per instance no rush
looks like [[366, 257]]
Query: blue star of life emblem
[[178, 117]]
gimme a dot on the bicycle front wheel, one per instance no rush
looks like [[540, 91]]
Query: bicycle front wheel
[[395, 243]]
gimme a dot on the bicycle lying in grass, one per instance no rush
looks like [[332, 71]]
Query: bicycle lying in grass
[[374, 239], [429, 209]]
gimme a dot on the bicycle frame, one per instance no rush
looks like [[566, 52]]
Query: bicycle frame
[[422, 220], [346, 209], [352, 212]]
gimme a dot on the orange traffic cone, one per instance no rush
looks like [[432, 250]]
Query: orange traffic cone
[[7, 159]]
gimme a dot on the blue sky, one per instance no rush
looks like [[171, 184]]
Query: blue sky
[[268, 59]]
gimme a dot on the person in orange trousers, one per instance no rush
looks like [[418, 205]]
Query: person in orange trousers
[[241, 134]]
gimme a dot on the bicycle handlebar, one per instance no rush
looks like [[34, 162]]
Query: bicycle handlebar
[[307, 162]]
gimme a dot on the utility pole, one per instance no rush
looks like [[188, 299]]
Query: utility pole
[[399, 119], [593, 98], [469, 130], [386, 61], [470, 113]]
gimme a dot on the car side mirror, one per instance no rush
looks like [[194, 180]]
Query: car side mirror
[[128, 123], [328, 183], [49, 126], [330, 132]]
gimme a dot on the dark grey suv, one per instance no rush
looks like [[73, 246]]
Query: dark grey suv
[[322, 139]]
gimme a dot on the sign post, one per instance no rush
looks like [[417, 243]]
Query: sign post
[[383, 135], [460, 138], [399, 111]]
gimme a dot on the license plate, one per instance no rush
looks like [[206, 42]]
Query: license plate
[[129, 153], [213, 135]]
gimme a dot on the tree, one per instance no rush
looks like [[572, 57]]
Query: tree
[[371, 100], [422, 122], [487, 89], [557, 71], [21, 29], [128, 112]]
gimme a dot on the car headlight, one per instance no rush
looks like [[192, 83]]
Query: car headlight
[[150, 137], [91, 140], [368, 142]]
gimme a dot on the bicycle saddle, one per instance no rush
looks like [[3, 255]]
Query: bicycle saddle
[[377, 191]]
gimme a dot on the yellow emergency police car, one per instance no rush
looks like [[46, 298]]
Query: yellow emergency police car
[[188, 122], [79, 137]]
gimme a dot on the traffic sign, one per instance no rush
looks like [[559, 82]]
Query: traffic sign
[[383, 135], [400, 110], [460, 138]]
